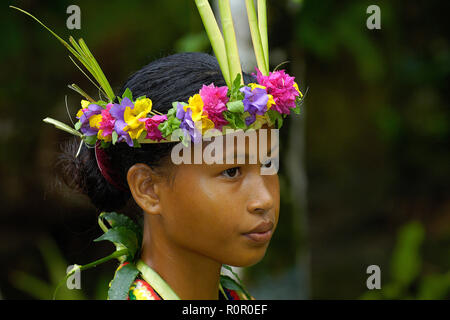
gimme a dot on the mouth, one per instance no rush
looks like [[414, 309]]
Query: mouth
[[261, 233]]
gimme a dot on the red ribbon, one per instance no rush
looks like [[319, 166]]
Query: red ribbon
[[104, 164]]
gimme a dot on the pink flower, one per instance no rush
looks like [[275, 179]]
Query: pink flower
[[281, 86], [214, 103], [151, 126], [107, 123]]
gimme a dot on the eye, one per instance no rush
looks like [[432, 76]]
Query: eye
[[232, 172]]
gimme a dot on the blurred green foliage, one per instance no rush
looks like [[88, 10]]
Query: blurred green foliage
[[56, 267], [406, 278]]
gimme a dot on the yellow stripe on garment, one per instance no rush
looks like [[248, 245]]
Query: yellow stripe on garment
[[156, 282]]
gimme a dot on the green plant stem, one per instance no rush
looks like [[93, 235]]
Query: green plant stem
[[77, 89], [215, 37], [262, 24], [83, 54], [93, 264], [256, 38], [229, 35]]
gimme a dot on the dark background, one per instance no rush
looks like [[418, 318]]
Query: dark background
[[375, 130]]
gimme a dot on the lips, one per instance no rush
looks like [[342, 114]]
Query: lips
[[262, 232]]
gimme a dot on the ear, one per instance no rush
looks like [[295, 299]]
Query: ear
[[144, 186]]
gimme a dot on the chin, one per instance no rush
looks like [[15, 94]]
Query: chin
[[247, 259]]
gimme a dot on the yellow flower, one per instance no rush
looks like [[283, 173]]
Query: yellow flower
[[131, 116], [196, 105], [100, 136], [94, 121], [201, 120], [298, 90], [143, 104], [255, 85], [259, 122], [270, 102], [84, 105], [206, 124]]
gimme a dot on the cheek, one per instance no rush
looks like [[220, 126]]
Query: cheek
[[200, 215]]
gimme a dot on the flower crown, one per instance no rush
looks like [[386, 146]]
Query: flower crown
[[242, 107], [234, 106]]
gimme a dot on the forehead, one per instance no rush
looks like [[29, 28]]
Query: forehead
[[235, 147]]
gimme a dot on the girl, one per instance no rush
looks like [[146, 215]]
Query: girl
[[197, 217]]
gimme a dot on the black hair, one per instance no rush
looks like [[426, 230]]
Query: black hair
[[172, 78]]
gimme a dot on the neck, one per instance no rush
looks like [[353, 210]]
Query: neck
[[192, 276]]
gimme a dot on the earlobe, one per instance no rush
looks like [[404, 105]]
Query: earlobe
[[143, 183]]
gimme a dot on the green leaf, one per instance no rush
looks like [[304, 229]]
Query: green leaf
[[230, 117], [235, 93], [136, 144], [227, 267], [101, 103], [122, 282], [127, 94], [62, 126], [123, 236], [236, 106], [78, 125], [236, 120], [275, 118], [406, 260], [297, 110], [434, 287], [120, 220], [91, 139], [115, 136], [141, 97], [240, 123], [174, 106], [83, 54], [104, 144], [168, 126], [163, 127], [98, 73], [237, 81], [229, 283], [185, 140], [77, 89]]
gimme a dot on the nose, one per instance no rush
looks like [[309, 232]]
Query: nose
[[261, 199]]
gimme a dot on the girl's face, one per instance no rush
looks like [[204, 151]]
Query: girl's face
[[227, 212]]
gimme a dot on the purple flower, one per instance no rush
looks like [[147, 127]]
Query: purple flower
[[255, 102], [84, 115], [187, 124], [117, 111]]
